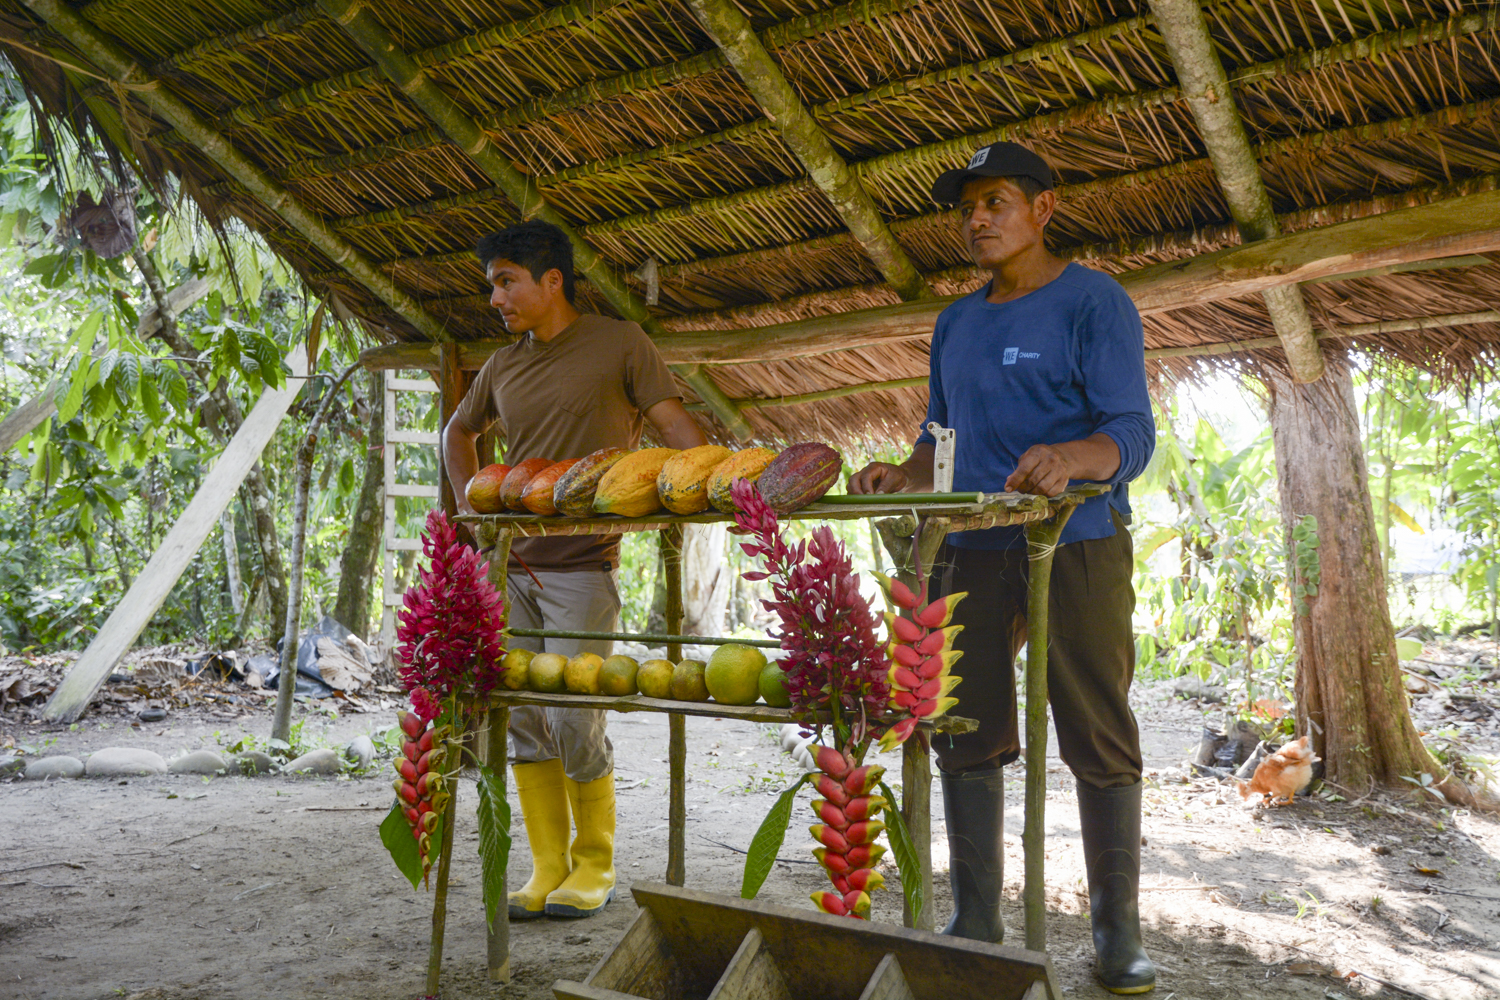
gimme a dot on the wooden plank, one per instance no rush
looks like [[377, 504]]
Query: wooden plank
[[638, 963], [888, 983], [752, 974], [412, 385], [413, 437], [412, 490], [27, 417], [182, 542], [828, 956], [565, 989], [450, 382]]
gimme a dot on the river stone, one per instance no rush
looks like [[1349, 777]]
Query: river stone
[[198, 762], [124, 762], [252, 762], [54, 767], [321, 761], [360, 752]]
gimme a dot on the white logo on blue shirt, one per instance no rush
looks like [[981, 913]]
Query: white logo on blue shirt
[[1010, 355]]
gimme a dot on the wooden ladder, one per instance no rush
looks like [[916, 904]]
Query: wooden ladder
[[393, 543]]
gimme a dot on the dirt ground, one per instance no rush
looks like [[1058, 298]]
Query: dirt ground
[[234, 887]]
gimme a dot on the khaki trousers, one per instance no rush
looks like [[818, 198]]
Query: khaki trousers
[[1090, 659], [584, 601]]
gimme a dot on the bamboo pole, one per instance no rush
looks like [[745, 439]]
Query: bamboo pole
[[1204, 84], [105, 53], [672, 641], [761, 75], [440, 894], [497, 942], [1041, 544], [361, 25], [670, 540]]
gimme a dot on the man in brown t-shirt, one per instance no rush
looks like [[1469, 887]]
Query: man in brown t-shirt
[[570, 385]]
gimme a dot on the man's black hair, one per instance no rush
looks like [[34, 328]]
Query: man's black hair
[[537, 246], [1030, 186]]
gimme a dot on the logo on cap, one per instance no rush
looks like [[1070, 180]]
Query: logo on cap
[[977, 160]]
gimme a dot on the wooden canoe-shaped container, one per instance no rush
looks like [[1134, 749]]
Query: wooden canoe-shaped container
[[691, 945]]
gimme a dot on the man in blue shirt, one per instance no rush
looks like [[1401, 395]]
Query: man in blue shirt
[[1042, 373]]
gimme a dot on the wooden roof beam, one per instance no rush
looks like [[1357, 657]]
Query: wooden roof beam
[[1311, 142], [938, 153], [1205, 86], [114, 61], [762, 77], [383, 50], [1155, 354], [648, 78], [1454, 227]]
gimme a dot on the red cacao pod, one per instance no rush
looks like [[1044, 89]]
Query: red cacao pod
[[800, 475]]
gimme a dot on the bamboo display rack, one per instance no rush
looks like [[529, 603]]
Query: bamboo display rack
[[1043, 519]]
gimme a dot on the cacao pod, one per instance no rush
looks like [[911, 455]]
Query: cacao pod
[[517, 480], [799, 476], [483, 491], [746, 464], [683, 483], [574, 493], [629, 487], [538, 495]]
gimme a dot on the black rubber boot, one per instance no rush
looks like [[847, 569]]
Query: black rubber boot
[[1111, 822], [975, 805]]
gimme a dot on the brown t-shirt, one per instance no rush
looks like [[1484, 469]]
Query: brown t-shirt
[[583, 390]]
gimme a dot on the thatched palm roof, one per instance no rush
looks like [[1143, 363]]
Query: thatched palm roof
[[627, 121]]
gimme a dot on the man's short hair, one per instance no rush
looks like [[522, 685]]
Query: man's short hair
[[537, 246]]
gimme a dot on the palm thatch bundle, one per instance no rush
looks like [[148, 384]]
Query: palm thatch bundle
[[374, 173]]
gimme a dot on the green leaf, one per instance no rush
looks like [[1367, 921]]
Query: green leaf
[[395, 834], [494, 839], [174, 388], [904, 852], [151, 401], [72, 400], [766, 843]]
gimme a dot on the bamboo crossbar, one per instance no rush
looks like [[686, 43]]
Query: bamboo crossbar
[[651, 638], [702, 709], [996, 511]]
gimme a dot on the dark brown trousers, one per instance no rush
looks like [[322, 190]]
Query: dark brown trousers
[[1090, 661]]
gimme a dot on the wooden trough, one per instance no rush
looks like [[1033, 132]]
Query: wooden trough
[[691, 945]]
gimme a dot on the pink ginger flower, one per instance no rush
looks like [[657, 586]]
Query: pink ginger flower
[[828, 630], [449, 630]]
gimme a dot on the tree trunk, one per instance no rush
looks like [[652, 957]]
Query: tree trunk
[[357, 568], [705, 579], [1349, 693]]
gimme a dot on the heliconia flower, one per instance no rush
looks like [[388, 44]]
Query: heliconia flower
[[420, 784], [922, 656], [826, 626], [450, 626]]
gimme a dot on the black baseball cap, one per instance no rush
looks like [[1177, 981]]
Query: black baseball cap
[[998, 159]]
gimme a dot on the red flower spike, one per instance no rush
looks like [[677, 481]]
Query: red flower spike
[[865, 856], [865, 807], [866, 879], [906, 678], [906, 656], [449, 633], [862, 779], [830, 838], [833, 863]]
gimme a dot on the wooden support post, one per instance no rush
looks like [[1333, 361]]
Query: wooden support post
[[450, 383], [916, 769], [1041, 543], [440, 894], [187, 535], [916, 812], [671, 560], [497, 944]]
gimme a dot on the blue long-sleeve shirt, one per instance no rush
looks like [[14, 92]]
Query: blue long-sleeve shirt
[[1058, 364]]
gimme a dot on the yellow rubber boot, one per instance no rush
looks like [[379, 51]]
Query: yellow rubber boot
[[592, 883], [544, 806]]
